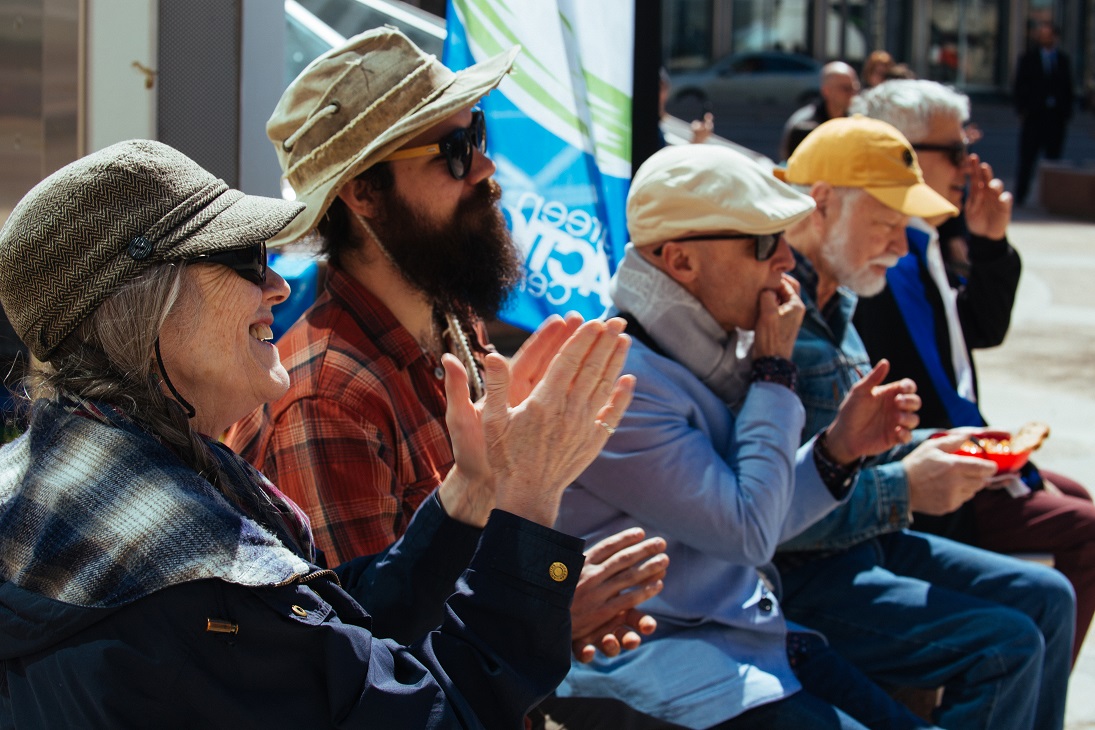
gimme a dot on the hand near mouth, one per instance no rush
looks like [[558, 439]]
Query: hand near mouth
[[988, 208], [781, 313]]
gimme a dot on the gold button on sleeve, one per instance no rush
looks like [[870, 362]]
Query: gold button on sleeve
[[299, 611], [558, 572]]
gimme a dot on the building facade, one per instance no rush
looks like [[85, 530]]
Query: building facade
[[973, 44]]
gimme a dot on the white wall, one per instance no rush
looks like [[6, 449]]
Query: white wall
[[119, 34]]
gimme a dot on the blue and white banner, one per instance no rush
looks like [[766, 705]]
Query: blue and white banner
[[559, 130]]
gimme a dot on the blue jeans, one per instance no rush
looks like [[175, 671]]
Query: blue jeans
[[919, 610], [833, 679], [800, 710]]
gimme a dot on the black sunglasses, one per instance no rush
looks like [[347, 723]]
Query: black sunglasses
[[765, 246], [249, 262], [956, 152], [458, 146]]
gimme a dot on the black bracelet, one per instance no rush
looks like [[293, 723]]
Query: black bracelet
[[773, 369], [837, 477]]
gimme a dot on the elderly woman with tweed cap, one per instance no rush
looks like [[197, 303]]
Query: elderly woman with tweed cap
[[149, 575]]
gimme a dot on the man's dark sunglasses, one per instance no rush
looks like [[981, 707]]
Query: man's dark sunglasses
[[249, 262], [956, 152], [765, 246], [458, 146]]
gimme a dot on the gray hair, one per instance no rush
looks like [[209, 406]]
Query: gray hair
[[110, 358], [911, 104]]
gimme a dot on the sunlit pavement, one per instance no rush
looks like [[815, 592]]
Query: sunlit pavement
[[1045, 370]]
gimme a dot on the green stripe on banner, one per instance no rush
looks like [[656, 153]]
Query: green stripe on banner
[[491, 45]]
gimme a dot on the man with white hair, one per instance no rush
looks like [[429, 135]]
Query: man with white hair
[[910, 609], [708, 458], [928, 319]]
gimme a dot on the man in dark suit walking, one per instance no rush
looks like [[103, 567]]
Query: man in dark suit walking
[[1043, 98]]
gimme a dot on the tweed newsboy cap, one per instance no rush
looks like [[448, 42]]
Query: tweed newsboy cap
[[96, 223], [696, 189], [356, 104]]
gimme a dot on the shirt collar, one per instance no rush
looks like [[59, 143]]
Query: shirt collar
[[838, 310], [375, 320]]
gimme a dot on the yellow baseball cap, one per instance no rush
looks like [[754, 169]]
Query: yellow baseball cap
[[858, 152]]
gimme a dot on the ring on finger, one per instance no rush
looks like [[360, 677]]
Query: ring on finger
[[610, 429]]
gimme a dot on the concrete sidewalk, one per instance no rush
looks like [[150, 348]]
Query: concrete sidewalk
[[1045, 370]]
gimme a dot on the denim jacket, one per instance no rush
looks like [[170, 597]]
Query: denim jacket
[[831, 357]]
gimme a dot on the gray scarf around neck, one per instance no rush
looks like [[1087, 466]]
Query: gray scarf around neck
[[680, 325]]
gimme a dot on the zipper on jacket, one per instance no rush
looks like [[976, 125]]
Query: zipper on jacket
[[309, 577]]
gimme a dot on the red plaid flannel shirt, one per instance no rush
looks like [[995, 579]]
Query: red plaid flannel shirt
[[359, 441]]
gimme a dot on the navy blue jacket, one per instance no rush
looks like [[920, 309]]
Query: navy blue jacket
[[297, 656], [300, 653]]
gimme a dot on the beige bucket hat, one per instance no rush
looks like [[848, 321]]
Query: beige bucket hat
[[356, 104]]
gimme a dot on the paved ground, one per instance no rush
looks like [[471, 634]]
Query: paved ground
[[1044, 370]]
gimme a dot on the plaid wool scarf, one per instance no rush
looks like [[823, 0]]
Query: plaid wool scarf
[[96, 512]]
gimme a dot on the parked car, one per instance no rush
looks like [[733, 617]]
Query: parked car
[[755, 77]]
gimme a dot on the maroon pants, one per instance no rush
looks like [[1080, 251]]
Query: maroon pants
[[1044, 522]]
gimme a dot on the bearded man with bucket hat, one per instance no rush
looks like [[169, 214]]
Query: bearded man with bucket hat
[[383, 145], [151, 577], [909, 609]]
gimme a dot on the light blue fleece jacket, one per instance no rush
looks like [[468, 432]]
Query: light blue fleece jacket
[[723, 491]]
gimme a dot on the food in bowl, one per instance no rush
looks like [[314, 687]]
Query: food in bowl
[[1008, 451], [996, 446]]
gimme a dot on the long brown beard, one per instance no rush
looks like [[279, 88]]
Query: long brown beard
[[469, 266]]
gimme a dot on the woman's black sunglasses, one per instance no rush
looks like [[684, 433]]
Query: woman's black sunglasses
[[458, 146], [249, 262], [764, 247]]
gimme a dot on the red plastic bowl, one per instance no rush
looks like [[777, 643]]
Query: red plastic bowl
[[1005, 461]]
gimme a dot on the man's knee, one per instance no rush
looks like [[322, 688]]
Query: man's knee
[[1053, 594], [1016, 643]]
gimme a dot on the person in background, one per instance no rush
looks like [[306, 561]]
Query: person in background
[[702, 129], [839, 84], [148, 574], [1043, 97], [994, 632], [927, 321], [900, 71], [875, 68]]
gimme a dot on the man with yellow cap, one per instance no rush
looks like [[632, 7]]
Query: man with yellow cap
[[708, 455], [908, 608]]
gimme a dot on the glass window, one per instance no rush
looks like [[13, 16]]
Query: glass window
[[687, 34], [965, 41], [846, 30], [761, 25]]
